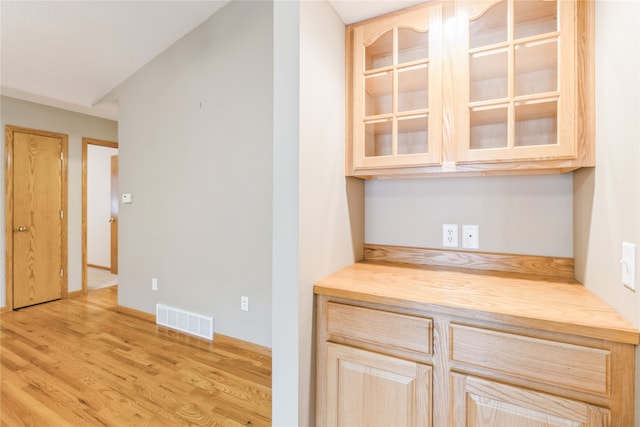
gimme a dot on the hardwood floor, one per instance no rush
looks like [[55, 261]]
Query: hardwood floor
[[80, 362]]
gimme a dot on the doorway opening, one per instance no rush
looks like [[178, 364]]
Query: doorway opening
[[99, 214]]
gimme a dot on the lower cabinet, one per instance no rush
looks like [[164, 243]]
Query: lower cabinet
[[482, 403], [371, 389], [378, 366]]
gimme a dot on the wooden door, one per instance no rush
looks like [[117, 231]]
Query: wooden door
[[482, 403], [114, 215], [371, 389], [36, 220]]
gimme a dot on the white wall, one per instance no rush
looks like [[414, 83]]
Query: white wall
[[26, 114], [607, 198], [196, 132], [99, 204]]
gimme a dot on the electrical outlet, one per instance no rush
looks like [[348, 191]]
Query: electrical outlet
[[470, 236], [244, 303], [154, 284], [450, 235]]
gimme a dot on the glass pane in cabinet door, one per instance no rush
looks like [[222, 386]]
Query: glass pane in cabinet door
[[534, 17], [378, 138], [488, 72], [490, 27], [536, 67], [536, 123], [413, 135], [378, 94], [413, 88], [489, 128], [380, 53], [412, 45]]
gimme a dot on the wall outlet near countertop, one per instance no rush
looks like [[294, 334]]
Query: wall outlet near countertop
[[450, 235]]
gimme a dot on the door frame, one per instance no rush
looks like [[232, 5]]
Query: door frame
[[85, 167], [9, 130]]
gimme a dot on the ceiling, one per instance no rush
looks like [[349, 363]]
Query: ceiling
[[70, 54]]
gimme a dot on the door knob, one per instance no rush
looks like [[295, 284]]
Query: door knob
[[21, 228], [111, 220]]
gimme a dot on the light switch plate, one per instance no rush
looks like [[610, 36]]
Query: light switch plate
[[628, 264], [127, 198]]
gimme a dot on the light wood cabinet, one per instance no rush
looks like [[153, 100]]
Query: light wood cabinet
[[472, 87], [481, 403], [396, 90], [370, 389], [484, 375], [375, 368], [403, 346]]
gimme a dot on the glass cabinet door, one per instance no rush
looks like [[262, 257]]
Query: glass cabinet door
[[396, 90], [518, 94]]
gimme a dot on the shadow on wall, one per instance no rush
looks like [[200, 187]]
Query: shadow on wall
[[584, 181], [355, 203]]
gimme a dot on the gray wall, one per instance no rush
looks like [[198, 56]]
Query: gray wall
[[35, 116], [196, 153], [607, 198], [517, 214], [246, 195], [331, 206], [286, 357]]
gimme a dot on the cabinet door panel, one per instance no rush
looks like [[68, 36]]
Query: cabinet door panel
[[396, 90], [481, 403], [516, 62], [370, 389]]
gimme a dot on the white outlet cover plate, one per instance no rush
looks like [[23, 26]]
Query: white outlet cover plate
[[470, 236], [450, 235]]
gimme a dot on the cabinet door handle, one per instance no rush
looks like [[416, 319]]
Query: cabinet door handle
[[21, 229]]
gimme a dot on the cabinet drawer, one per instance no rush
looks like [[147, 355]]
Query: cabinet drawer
[[380, 327], [567, 365]]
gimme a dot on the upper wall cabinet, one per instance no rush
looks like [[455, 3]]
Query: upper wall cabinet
[[472, 87], [397, 90]]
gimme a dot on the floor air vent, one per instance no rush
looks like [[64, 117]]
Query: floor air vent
[[191, 323]]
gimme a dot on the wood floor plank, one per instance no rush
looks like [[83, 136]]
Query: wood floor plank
[[83, 362]]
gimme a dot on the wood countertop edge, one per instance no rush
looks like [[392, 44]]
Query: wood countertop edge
[[628, 335]]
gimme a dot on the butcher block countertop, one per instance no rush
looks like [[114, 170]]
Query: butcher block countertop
[[555, 305]]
